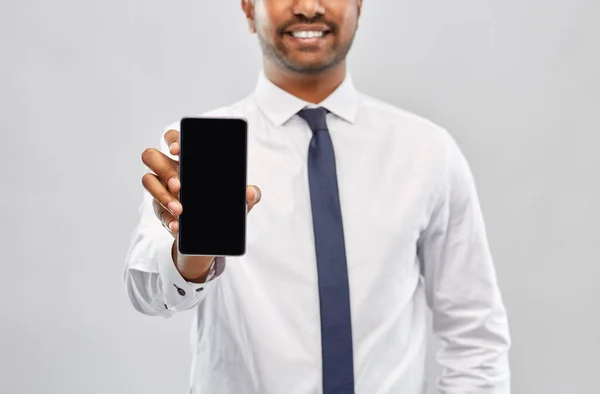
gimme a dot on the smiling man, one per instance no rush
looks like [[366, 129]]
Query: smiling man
[[363, 215]]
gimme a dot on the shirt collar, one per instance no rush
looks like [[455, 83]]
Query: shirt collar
[[280, 106]]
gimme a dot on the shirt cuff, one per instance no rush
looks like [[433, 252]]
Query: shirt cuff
[[179, 292]]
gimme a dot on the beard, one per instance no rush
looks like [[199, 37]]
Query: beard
[[275, 49]]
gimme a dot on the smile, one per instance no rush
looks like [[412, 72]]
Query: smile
[[307, 34]]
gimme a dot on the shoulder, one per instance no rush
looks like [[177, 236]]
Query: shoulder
[[409, 125], [400, 117], [425, 135]]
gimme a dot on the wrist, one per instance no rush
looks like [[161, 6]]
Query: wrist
[[192, 268]]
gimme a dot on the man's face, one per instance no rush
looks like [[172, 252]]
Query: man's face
[[305, 36]]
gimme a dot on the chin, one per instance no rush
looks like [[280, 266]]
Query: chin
[[309, 66]]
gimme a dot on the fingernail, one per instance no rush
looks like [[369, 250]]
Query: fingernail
[[171, 146], [257, 194], [171, 226], [172, 206]]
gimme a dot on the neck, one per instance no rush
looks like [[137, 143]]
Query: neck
[[312, 88]]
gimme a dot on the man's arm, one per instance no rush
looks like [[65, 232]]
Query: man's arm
[[462, 291], [154, 285], [159, 282]]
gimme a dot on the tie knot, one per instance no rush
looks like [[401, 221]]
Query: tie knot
[[315, 117]]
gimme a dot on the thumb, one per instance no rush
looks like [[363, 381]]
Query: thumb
[[253, 196]]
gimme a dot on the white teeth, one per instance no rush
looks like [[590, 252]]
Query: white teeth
[[307, 34]]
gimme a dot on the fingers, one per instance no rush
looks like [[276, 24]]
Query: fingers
[[159, 192], [253, 196], [161, 165], [166, 219], [169, 220], [172, 140]]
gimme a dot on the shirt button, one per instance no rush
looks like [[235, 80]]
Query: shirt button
[[180, 291], [199, 289]]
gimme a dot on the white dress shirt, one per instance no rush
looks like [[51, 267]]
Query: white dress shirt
[[414, 234]]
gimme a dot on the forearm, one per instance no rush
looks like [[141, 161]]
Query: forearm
[[154, 283]]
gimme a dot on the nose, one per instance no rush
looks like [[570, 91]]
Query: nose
[[309, 8]]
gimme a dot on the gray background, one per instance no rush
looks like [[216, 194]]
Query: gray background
[[87, 85]]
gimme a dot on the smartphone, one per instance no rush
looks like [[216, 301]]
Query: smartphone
[[213, 162]]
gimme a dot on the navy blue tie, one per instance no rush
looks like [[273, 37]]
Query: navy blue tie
[[336, 327]]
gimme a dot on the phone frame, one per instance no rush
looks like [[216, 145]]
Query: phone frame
[[245, 180]]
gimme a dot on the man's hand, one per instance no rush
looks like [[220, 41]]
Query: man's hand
[[163, 184]]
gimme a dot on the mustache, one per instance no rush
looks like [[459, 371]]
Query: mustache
[[301, 19]]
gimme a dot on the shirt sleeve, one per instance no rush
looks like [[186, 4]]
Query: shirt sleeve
[[469, 315], [153, 283]]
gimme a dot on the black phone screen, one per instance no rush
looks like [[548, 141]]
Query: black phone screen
[[212, 171]]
